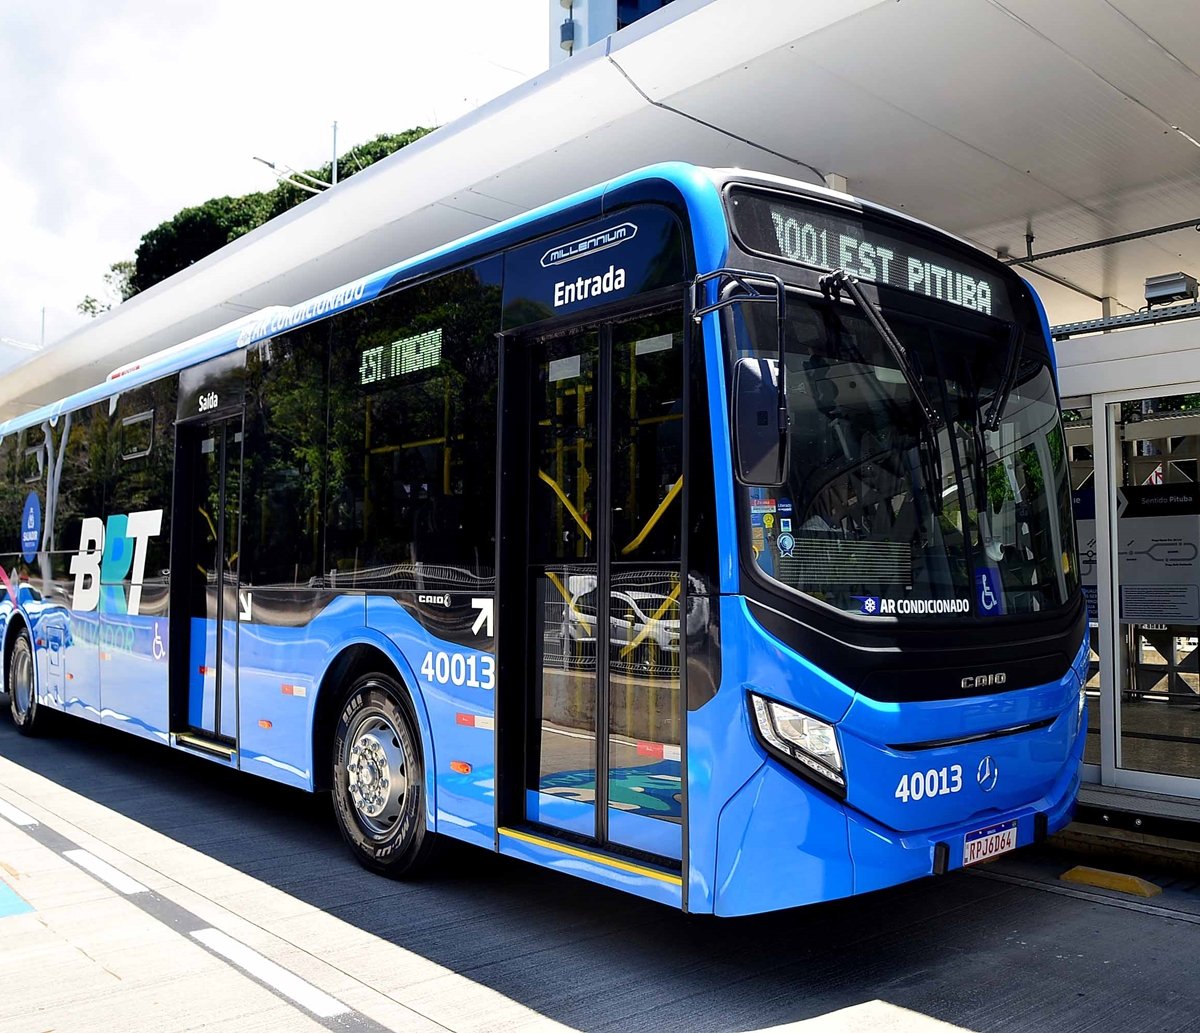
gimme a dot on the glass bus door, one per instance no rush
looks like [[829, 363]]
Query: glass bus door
[[211, 511], [603, 557]]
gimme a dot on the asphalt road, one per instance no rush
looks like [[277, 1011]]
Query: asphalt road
[[487, 943]]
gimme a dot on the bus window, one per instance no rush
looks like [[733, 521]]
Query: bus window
[[141, 477], [283, 470], [412, 451], [84, 443]]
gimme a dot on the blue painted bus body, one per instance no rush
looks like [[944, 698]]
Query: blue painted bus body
[[758, 837]]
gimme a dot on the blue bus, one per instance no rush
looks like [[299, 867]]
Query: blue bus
[[703, 534]]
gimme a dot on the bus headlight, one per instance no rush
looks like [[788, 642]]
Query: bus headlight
[[809, 745]]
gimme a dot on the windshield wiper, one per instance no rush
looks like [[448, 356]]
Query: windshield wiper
[[832, 284], [991, 422]]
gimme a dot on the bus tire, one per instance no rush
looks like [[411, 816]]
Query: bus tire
[[22, 688], [379, 779]]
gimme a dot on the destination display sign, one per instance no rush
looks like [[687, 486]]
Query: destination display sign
[[833, 238]]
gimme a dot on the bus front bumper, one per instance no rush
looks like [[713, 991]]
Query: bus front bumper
[[783, 844]]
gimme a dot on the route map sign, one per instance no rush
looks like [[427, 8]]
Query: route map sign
[[1158, 553]]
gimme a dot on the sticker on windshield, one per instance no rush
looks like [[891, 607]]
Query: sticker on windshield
[[762, 505], [785, 507], [786, 544], [877, 606], [988, 592]]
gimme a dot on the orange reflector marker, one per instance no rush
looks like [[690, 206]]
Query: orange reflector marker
[[70, 676], [264, 723], [461, 766], [204, 670]]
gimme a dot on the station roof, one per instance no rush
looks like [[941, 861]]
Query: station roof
[[995, 119]]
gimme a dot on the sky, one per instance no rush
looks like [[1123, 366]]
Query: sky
[[114, 116]]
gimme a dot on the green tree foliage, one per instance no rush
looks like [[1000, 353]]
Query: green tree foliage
[[197, 232], [118, 287]]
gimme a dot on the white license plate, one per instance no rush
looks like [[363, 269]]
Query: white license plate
[[984, 844]]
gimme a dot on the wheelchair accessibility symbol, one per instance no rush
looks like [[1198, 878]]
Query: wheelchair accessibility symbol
[[158, 649], [990, 603]]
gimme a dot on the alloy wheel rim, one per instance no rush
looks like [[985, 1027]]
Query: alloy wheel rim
[[22, 684], [376, 772]]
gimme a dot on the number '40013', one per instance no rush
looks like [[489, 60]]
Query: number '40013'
[[472, 670], [934, 782]]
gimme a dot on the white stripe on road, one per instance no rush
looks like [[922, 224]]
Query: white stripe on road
[[104, 871], [15, 815], [278, 979]]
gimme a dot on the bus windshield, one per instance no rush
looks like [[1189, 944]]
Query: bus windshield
[[887, 513]]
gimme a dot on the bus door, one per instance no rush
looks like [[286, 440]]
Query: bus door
[[213, 578], [204, 568], [600, 514]]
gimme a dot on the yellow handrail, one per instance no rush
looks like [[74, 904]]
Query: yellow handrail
[[562, 497], [562, 590], [676, 488], [653, 619]]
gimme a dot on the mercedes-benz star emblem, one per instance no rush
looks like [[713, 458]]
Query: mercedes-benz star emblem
[[987, 773]]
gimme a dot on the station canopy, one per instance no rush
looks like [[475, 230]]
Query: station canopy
[[1000, 120]]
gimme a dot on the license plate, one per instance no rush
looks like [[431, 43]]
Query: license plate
[[984, 844]]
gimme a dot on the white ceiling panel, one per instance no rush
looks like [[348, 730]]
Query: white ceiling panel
[[1168, 25], [992, 118], [1109, 45]]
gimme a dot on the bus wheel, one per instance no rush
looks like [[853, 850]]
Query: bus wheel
[[22, 697], [379, 779]]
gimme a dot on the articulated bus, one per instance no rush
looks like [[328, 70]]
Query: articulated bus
[[704, 534]]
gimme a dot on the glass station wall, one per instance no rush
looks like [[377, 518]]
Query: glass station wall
[[1157, 576], [1135, 475], [1077, 428]]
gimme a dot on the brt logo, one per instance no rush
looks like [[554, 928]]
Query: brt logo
[[108, 556]]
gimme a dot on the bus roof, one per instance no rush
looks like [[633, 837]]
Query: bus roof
[[691, 180], [695, 183]]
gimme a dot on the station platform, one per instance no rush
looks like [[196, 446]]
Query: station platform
[[154, 892], [1162, 831]]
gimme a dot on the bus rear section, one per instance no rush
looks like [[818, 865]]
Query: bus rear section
[[906, 632]]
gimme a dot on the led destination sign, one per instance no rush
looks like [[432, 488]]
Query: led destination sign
[[830, 238]]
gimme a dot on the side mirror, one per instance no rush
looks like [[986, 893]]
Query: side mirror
[[760, 442]]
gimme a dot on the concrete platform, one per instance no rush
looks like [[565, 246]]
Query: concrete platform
[[230, 903], [1158, 832]]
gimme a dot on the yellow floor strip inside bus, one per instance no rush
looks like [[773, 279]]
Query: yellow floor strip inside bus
[[588, 855]]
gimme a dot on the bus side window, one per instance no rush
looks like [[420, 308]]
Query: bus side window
[[83, 442], [11, 497], [140, 456], [283, 460], [412, 434]]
